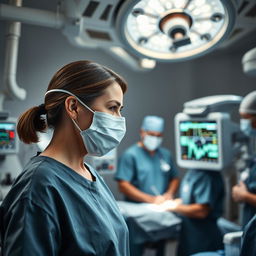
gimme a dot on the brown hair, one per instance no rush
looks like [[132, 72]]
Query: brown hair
[[86, 79]]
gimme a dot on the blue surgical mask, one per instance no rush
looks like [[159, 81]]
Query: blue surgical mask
[[246, 127], [152, 142], [104, 134]]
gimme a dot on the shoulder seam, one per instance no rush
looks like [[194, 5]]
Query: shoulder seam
[[32, 177], [25, 217], [38, 206]]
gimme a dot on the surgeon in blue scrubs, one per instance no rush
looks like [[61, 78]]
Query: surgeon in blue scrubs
[[200, 205], [59, 205], [146, 172], [247, 192]]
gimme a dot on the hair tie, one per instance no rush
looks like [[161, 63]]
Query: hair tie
[[41, 109]]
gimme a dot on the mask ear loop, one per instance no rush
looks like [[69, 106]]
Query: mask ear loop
[[76, 125], [71, 94]]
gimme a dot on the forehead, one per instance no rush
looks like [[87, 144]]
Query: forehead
[[114, 92], [153, 133]]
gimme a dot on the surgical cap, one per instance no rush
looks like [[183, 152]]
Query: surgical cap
[[248, 104], [153, 123]]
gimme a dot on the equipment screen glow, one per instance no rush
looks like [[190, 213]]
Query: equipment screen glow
[[199, 141], [7, 136]]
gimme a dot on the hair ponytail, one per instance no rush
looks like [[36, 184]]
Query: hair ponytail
[[31, 122]]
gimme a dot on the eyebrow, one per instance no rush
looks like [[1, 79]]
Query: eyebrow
[[117, 102]]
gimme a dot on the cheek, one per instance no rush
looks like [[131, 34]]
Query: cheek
[[142, 136], [100, 106], [85, 121]]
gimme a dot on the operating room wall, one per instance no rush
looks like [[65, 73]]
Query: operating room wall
[[161, 91]]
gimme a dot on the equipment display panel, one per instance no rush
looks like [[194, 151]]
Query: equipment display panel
[[8, 140], [199, 140], [203, 142]]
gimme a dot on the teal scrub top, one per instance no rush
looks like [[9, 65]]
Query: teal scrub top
[[143, 170], [249, 211], [51, 210], [248, 247], [199, 235]]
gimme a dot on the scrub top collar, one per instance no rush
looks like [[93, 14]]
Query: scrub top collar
[[93, 185]]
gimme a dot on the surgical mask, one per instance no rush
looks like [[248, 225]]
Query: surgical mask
[[104, 134], [246, 127], [152, 142]]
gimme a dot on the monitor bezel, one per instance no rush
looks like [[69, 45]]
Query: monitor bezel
[[195, 164]]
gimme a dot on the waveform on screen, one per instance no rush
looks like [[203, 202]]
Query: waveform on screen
[[199, 148]]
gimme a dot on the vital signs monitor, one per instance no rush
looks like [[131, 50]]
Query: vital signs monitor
[[203, 142], [8, 137]]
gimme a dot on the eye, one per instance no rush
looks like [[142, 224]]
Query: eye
[[113, 108]]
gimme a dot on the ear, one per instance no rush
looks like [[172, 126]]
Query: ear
[[142, 134], [71, 106]]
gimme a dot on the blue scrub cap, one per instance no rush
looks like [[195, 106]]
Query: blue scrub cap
[[153, 123]]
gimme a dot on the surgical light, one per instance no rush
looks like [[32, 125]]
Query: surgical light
[[172, 30], [141, 32]]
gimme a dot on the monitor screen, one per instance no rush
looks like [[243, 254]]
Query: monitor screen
[[199, 141], [7, 137]]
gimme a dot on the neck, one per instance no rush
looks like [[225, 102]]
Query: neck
[[67, 149]]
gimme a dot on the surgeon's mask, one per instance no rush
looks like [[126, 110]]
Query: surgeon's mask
[[104, 134], [246, 127], [152, 142]]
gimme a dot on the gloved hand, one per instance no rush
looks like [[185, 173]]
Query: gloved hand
[[158, 199], [239, 192]]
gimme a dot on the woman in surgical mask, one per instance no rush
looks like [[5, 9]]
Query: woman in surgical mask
[[59, 205]]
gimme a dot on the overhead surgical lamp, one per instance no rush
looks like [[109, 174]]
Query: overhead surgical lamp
[[172, 30], [141, 32], [160, 30]]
